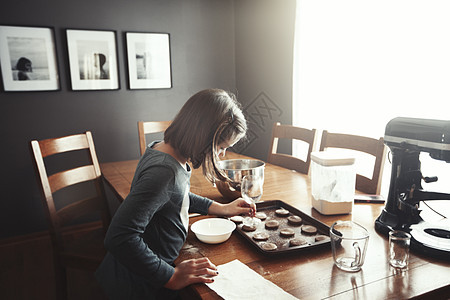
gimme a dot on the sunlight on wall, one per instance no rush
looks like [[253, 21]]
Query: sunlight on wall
[[358, 64]]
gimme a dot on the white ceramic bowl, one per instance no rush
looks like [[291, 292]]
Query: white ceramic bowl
[[213, 230]]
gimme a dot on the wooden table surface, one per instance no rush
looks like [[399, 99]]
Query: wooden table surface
[[310, 274]]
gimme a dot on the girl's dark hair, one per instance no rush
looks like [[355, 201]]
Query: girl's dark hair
[[207, 119]]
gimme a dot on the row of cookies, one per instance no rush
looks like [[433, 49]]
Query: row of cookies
[[273, 224]]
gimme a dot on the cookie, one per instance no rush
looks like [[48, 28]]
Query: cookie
[[237, 219], [246, 227], [320, 238], [308, 229], [287, 232], [269, 246], [297, 242], [282, 212], [272, 224], [260, 215], [261, 236], [295, 220]]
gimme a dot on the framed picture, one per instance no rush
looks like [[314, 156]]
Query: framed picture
[[92, 59], [28, 59], [148, 60]]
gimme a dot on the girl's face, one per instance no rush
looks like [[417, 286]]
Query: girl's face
[[222, 147]]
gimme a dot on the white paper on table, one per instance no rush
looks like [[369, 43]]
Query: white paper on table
[[237, 281]]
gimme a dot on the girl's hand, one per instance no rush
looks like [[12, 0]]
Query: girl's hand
[[237, 207], [197, 270]]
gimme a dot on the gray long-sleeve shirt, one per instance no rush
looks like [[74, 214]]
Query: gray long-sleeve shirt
[[149, 228]]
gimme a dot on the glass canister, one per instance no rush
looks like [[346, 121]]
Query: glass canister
[[333, 178]]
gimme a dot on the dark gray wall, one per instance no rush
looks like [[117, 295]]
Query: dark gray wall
[[264, 61], [202, 49], [244, 46]]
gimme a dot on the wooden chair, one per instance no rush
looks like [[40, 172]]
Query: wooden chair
[[150, 127], [371, 146], [86, 251], [294, 133]]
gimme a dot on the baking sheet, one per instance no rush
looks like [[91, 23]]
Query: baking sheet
[[269, 208]]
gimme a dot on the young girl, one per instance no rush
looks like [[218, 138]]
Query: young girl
[[150, 226]]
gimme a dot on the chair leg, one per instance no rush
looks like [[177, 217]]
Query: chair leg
[[60, 281]]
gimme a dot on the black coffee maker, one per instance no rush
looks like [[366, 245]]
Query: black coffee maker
[[407, 138]]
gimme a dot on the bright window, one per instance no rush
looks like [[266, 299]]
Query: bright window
[[358, 64]]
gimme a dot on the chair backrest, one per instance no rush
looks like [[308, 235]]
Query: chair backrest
[[60, 212], [294, 133], [374, 147], [150, 127]]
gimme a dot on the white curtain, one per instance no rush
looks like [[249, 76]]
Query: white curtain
[[358, 64]]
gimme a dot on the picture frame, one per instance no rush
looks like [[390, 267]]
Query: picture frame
[[93, 59], [28, 59], [149, 61]]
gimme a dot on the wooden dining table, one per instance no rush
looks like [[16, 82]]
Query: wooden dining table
[[309, 274]]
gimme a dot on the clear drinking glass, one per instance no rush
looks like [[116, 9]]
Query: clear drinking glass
[[251, 191], [399, 242]]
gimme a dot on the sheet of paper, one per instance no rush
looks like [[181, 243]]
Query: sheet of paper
[[237, 281]]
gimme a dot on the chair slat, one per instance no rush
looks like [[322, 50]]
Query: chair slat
[[156, 126], [289, 162], [70, 177], [63, 144]]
